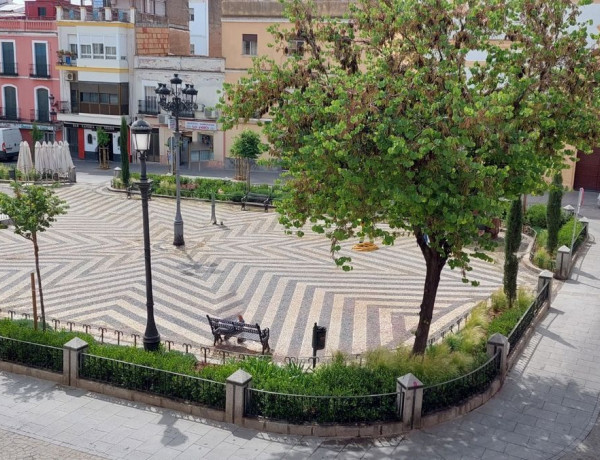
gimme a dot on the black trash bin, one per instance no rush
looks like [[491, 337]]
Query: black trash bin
[[12, 174]]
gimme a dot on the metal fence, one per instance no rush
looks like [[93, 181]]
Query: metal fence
[[297, 408], [31, 354], [155, 381], [453, 392], [525, 321]]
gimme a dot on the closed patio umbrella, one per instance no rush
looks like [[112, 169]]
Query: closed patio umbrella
[[24, 163]]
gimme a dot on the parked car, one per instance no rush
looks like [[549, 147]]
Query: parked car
[[10, 140]]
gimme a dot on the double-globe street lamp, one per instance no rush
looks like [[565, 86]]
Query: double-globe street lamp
[[177, 101], [141, 133]]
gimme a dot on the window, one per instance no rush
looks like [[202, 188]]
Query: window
[[111, 52], [191, 14], [249, 44], [86, 51], [295, 46], [73, 50], [98, 50], [90, 139], [42, 12]]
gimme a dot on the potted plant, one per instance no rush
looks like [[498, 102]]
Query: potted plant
[[61, 56]]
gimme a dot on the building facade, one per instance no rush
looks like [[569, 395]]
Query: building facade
[[29, 82]]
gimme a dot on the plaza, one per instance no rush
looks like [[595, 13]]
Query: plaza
[[93, 274], [547, 408]]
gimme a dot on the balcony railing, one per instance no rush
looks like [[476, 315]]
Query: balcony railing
[[8, 68], [148, 106], [42, 116], [187, 114], [39, 71], [10, 114], [64, 107]]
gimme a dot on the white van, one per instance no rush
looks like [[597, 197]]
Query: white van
[[10, 140]]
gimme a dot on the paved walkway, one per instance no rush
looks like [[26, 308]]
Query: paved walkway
[[246, 266], [546, 409]]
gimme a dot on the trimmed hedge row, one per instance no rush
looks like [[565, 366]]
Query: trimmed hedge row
[[457, 355]]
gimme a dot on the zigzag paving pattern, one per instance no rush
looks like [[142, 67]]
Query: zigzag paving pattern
[[93, 273]]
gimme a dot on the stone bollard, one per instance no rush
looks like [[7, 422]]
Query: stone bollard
[[410, 400], [586, 224], [499, 342], [563, 263], [235, 398], [71, 351], [543, 278]]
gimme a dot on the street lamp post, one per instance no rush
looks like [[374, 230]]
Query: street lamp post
[[176, 101], [141, 133]]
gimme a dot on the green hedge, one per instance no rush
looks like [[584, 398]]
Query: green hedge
[[203, 188], [457, 355]]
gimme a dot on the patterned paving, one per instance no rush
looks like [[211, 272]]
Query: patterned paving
[[93, 273]]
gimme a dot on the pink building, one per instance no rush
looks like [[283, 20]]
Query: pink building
[[29, 82]]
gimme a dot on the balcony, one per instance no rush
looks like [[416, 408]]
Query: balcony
[[8, 69], [42, 116], [88, 13], [10, 114], [65, 107], [148, 106], [39, 71]]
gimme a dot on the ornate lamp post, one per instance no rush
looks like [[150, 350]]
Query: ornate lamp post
[[177, 101], [141, 133]]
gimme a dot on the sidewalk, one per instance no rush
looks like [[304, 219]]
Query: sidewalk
[[90, 172]]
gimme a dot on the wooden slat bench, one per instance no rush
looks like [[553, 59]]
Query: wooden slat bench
[[257, 199], [226, 328]]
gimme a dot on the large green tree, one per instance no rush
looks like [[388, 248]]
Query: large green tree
[[32, 210], [387, 127]]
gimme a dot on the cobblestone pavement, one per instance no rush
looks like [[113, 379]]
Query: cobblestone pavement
[[14, 446], [93, 274]]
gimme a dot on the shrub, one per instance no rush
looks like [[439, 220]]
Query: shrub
[[542, 259], [535, 216], [565, 235], [499, 302]]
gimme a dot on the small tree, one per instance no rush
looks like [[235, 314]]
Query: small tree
[[554, 213], [512, 241], [36, 133], [123, 144], [103, 140], [247, 146], [32, 210]]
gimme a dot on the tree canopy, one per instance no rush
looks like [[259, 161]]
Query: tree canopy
[[420, 115]]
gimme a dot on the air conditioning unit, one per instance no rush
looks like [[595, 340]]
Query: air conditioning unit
[[71, 76], [163, 119]]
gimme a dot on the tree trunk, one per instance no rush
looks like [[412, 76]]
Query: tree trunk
[[248, 175], [435, 263], [36, 252]]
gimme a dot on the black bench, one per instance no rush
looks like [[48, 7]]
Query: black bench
[[134, 187], [226, 328], [257, 199]]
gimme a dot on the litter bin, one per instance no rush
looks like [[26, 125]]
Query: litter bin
[[12, 174]]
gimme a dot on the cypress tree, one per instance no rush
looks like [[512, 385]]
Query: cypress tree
[[512, 241], [123, 144], [554, 213]]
